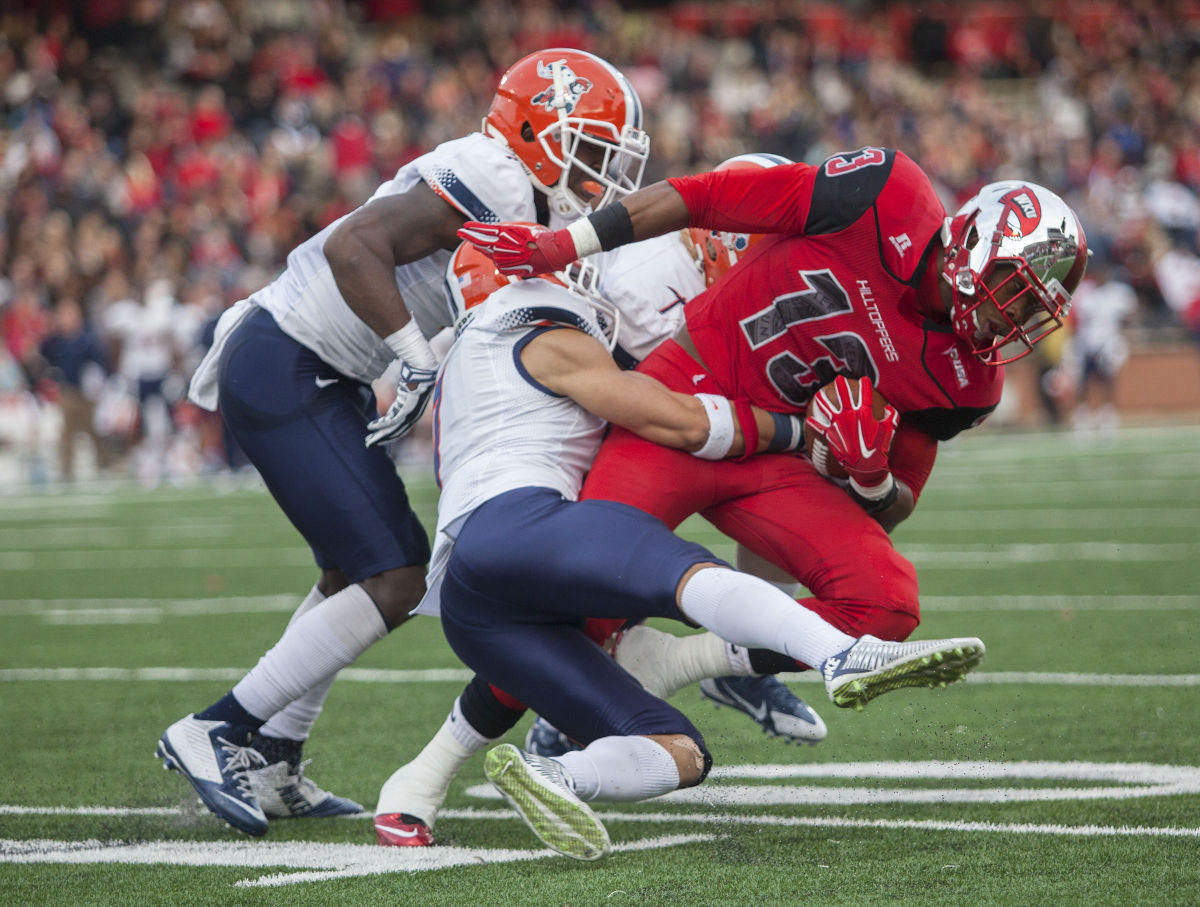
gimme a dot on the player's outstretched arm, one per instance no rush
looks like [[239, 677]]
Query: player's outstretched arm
[[571, 363], [771, 200], [526, 251]]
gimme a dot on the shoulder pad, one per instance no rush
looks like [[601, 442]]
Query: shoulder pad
[[480, 178]]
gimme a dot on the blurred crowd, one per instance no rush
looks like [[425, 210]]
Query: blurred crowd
[[159, 158]]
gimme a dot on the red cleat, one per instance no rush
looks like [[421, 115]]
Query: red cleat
[[402, 830]]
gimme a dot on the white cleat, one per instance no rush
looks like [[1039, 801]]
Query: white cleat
[[871, 667], [285, 792], [540, 791]]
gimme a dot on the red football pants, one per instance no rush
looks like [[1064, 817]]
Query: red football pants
[[776, 505]]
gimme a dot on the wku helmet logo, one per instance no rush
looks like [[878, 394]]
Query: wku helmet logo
[[576, 87], [1022, 212]]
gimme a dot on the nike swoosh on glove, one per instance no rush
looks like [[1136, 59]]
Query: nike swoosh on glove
[[414, 387], [521, 250], [856, 438]]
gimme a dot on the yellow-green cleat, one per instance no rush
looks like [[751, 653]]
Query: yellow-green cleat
[[539, 789], [872, 667]]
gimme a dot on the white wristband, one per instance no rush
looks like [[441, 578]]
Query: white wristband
[[410, 346], [874, 492], [720, 427], [587, 242]]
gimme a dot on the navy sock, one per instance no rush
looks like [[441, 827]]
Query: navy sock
[[764, 661], [228, 709]]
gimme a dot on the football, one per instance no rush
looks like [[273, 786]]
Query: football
[[814, 442]]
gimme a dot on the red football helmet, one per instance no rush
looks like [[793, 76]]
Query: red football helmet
[[562, 109], [719, 251], [1019, 247], [471, 277]]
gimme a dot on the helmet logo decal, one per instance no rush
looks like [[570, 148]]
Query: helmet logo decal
[[1022, 212], [576, 87]]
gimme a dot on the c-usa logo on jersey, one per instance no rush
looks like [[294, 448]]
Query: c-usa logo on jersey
[[576, 87]]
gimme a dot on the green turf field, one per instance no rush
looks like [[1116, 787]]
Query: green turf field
[[1066, 771]]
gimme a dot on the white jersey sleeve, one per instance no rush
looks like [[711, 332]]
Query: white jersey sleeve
[[468, 174], [649, 282], [496, 428], [475, 174]]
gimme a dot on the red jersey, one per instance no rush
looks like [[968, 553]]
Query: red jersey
[[837, 292]]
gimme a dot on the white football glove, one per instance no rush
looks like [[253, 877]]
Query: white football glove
[[414, 387]]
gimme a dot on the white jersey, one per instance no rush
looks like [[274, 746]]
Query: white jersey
[[496, 428], [475, 174], [1099, 311], [649, 282]]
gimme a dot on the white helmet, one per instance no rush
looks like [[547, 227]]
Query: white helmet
[[1039, 244]]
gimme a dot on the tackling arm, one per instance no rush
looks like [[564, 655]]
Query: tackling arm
[[571, 363], [772, 200]]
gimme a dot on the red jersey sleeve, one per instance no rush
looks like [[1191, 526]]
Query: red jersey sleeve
[[748, 200], [912, 456]]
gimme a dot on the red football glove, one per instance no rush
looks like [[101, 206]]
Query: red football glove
[[520, 249], [858, 440]]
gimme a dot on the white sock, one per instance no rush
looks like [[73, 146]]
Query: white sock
[[739, 661], [750, 612], [664, 663], [790, 589], [311, 651], [419, 787], [749, 562], [621, 769], [295, 720]]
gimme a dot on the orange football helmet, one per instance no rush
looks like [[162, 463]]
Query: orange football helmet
[[716, 250], [471, 277], [561, 110]]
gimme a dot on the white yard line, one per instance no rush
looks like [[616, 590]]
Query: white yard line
[[313, 862], [973, 603], [940, 556], [81, 610], [140, 558], [460, 675]]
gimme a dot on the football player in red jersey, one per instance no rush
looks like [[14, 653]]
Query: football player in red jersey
[[868, 279]]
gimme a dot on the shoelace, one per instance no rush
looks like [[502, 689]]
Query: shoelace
[[238, 761], [303, 782], [867, 655]]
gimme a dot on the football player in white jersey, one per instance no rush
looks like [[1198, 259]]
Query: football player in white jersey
[[291, 368], [519, 563]]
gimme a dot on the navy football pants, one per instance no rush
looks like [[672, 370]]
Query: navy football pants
[[302, 424], [528, 569]]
